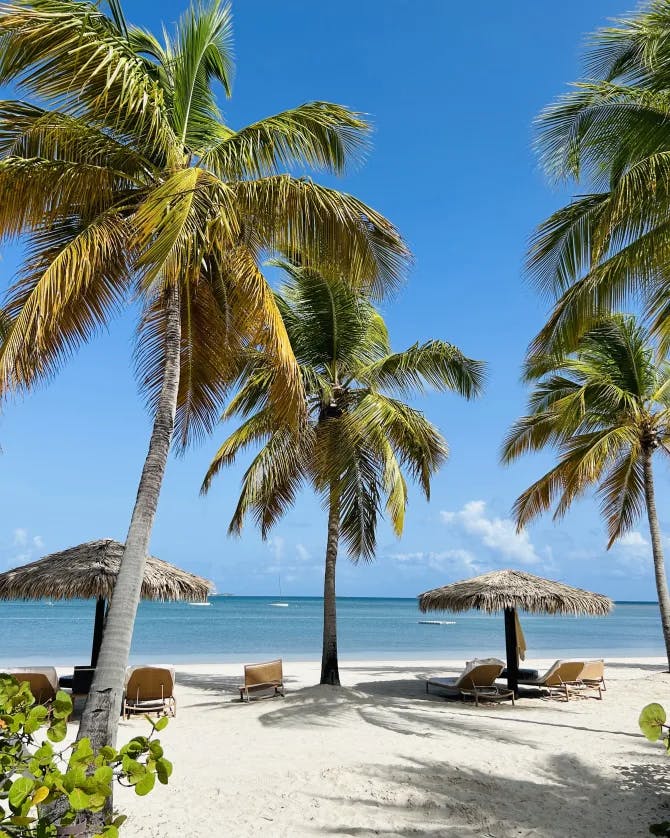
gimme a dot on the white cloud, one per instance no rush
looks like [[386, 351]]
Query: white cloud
[[498, 534], [20, 537], [303, 553], [453, 560], [21, 549], [633, 540]]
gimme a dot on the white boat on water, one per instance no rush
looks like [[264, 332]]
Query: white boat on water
[[280, 604], [200, 603], [437, 622]]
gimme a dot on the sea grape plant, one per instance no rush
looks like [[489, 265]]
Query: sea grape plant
[[75, 779], [652, 723]]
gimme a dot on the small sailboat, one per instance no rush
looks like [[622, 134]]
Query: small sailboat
[[279, 603]]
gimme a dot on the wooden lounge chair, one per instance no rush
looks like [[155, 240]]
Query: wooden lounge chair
[[43, 681], [477, 675], [262, 677], [558, 679], [149, 689]]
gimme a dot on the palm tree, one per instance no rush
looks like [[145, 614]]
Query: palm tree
[[130, 188], [358, 439], [610, 134], [606, 411]]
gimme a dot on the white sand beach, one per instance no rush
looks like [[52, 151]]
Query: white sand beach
[[379, 757]]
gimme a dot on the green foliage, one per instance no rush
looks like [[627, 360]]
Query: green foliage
[[652, 724], [610, 136], [606, 410], [35, 773], [358, 440], [126, 182], [652, 721]]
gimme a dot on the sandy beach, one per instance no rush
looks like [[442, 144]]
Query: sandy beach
[[380, 757]]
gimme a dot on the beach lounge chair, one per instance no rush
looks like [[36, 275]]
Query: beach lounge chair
[[477, 675], [43, 681], [262, 677], [558, 679], [591, 679], [150, 689]]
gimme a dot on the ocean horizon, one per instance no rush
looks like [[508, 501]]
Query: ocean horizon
[[238, 628]]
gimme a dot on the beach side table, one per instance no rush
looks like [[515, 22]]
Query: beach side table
[[489, 694]]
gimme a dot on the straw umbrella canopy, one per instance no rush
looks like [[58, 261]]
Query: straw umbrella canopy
[[89, 571], [509, 590]]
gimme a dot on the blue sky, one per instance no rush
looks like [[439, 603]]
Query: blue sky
[[452, 90]]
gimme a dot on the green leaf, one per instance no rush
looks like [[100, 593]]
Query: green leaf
[[156, 749], [145, 784], [21, 820], [96, 802], [58, 731], [161, 724], [163, 770], [62, 705], [19, 791], [651, 720], [104, 775], [107, 753], [78, 799]]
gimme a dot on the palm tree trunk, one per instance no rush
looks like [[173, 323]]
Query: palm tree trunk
[[330, 673], [657, 550], [101, 715]]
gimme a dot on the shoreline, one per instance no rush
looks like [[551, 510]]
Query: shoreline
[[450, 661]]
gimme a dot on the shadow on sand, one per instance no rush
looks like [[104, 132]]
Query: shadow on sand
[[432, 798]]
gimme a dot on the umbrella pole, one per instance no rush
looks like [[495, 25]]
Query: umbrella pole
[[511, 647], [98, 629]]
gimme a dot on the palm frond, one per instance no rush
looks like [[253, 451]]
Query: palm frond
[[435, 364], [334, 232], [68, 53], [74, 281], [317, 135]]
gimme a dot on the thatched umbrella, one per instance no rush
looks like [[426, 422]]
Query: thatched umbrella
[[507, 590], [89, 571]]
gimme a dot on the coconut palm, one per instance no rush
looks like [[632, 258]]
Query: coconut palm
[[130, 188], [606, 411], [359, 439], [611, 135]]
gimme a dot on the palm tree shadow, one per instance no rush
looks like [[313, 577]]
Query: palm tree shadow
[[341, 706], [435, 799]]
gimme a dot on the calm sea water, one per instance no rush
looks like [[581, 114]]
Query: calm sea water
[[238, 628]]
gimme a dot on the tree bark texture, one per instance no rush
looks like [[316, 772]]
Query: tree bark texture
[[657, 550], [100, 718], [329, 667]]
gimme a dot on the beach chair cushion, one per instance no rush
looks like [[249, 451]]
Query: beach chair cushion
[[263, 676], [477, 673], [43, 681], [149, 689], [559, 673]]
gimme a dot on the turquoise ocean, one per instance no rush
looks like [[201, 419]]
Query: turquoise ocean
[[233, 629]]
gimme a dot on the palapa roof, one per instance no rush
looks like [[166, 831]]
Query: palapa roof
[[502, 589], [89, 571]]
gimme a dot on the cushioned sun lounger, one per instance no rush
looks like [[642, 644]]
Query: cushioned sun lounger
[[260, 677], [477, 673], [43, 681], [558, 678], [592, 678], [150, 689]]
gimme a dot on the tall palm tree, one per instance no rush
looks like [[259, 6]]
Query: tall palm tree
[[358, 440], [606, 411], [611, 135], [130, 188]]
